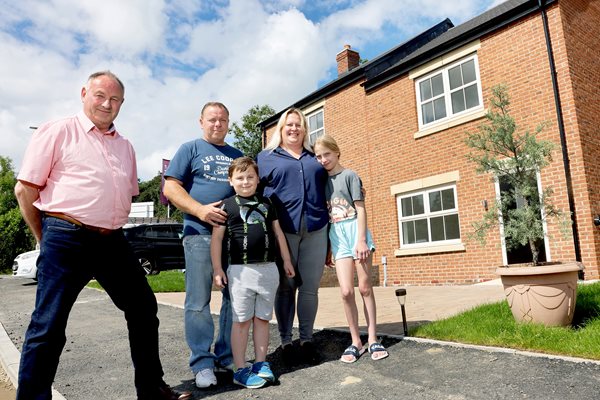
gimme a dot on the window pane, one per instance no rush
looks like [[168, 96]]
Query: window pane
[[468, 72], [439, 106], [320, 120], [425, 89], [448, 199], [406, 207], [427, 112], [418, 206], [437, 229], [458, 101], [435, 202], [452, 228], [455, 77], [471, 96], [437, 84], [408, 232], [421, 234]]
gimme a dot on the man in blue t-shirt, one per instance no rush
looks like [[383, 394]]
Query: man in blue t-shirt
[[196, 183]]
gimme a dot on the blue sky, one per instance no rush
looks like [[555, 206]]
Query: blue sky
[[175, 55]]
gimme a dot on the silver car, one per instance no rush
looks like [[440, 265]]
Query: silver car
[[24, 265]]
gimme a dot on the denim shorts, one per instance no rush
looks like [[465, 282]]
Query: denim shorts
[[342, 236], [252, 288]]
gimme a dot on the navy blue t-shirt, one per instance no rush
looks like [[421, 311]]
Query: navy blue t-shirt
[[203, 168]]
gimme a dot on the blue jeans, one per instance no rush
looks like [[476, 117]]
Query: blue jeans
[[199, 327], [308, 251], [69, 257]]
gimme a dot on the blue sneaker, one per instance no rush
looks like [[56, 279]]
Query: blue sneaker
[[248, 379], [263, 370]]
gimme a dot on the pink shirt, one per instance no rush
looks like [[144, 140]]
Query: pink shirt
[[84, 173]]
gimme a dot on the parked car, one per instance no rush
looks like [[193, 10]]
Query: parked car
[[158, 246], [24, 265]]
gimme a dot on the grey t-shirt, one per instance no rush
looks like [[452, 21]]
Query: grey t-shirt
[[342, 191]]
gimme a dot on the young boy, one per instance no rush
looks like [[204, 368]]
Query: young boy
[[249, 239]]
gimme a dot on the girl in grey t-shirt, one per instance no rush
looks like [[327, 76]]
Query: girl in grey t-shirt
[[351, 246]]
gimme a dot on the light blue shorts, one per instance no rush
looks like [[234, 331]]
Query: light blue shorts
[[252, 288], [342, 236]]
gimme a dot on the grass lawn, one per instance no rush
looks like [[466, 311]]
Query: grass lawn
[[494, 325], [166, 281]]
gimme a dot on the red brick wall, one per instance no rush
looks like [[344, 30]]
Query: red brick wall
[[579, 80], [375, 132]]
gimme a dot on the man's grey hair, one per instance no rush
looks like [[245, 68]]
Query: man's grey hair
[[104, 73]]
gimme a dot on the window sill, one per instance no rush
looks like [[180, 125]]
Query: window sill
[[430, 249], [450, 123]]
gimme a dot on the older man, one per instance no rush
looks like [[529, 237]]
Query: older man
[[196, 182], [74, 191]]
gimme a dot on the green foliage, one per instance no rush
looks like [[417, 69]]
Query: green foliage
[[150, 191], [516, 158], [248, 136], [8, 200], [494, 325], [16, 237]]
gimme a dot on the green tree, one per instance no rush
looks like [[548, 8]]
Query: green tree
[[150, 191], [517, 158], [16, 237], [248, 136]]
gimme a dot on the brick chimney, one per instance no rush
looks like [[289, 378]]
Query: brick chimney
[[347, 60]]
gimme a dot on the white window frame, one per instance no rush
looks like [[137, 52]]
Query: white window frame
[[447, 93], [313, 134], [427, 215]]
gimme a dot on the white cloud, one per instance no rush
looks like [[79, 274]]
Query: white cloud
[[173, 56]]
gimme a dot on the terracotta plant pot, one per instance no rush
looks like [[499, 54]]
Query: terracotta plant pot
[[543, 294]]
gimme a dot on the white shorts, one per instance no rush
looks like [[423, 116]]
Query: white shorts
[[252, 288], [342, 236]]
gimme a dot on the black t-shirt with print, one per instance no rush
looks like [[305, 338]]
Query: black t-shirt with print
[[249, 234]]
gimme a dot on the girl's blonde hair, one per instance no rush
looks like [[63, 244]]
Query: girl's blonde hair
[[329, 143], [275, 140]]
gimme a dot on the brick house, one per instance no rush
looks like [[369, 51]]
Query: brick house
[[401, 119]]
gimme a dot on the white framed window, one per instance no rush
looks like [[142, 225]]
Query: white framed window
[[316, 126], [449, 92], [429, 217]]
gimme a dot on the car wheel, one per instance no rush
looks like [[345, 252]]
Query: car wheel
[[148, 266]]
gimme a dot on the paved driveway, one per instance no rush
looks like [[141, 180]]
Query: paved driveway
[[95, 363]]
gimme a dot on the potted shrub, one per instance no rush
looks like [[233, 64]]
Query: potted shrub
[[536, 292]]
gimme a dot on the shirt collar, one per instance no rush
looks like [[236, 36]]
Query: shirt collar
[[282, 152], [89, 126]]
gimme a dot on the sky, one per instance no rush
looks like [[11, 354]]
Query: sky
[[175, 55]]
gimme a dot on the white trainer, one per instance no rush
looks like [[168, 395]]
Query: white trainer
[[205, 377]]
